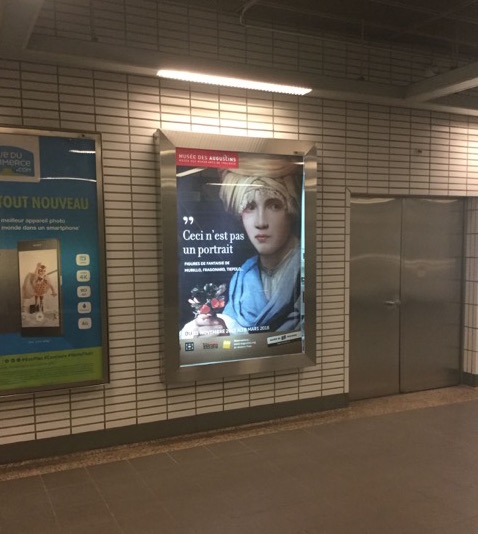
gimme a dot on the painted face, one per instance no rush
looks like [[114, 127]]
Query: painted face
[[267, 224]]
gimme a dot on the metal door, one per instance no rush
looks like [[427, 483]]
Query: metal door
[[405, 295], [431, 282], [374, 294]]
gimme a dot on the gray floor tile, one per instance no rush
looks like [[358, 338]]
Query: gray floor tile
[[16, 505], [83, 515], [192, 455], [61, 479], [166, 484], [152, 520], [104, 527], [261, 442], [79, 494], [112, 471], [227, 449], [469, 526], [30, 526], [22, 486], [154, 462], [29, 517], [411, 472]]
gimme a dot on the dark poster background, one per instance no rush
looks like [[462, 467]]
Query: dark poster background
[[201, 212], [212, 246]]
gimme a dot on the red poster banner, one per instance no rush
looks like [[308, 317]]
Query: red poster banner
[[219, 159]]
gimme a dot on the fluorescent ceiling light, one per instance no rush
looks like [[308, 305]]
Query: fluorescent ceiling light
[[232, 82]]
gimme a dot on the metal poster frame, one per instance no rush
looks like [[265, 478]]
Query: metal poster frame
[[178, 369], [51, 212]]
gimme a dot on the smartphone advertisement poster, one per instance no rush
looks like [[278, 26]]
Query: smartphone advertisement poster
[[52, 323], [240, 255]]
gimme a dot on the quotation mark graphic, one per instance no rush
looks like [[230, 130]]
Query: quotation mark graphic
[[189, 220]]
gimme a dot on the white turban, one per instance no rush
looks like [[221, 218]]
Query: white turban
[[270, 177]]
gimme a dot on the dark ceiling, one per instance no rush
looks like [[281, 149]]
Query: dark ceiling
[[446, 30], [440, 26]]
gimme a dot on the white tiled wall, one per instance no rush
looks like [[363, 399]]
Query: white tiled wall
[[470, 344], [362, 149]]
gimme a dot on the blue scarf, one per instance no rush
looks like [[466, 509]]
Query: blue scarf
[[249, 307]]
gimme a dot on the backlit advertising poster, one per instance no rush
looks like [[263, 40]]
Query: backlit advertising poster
[[52, 324], [240, 290], [240, 255]]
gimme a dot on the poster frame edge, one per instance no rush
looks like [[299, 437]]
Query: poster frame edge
[[105, 364], [166, 142]]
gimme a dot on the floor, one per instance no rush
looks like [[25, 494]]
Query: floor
[[406, 464]]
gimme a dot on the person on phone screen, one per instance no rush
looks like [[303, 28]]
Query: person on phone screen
[[35, 286], [264, 295]]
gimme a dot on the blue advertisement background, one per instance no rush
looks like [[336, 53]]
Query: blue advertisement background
[[64, 175]]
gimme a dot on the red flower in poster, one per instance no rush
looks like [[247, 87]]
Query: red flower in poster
[[217, 303], [208, 300], [204, 309]]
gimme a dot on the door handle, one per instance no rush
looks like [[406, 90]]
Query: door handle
[[392, 303]]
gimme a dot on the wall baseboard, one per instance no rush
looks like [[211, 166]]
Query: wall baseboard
[[98, 439], [469, 379]]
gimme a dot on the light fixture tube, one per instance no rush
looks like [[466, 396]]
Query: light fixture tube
[[231, 82]]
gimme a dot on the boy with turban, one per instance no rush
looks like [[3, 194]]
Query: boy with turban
[[265, 193]]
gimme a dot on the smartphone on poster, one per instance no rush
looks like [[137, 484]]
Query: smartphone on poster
[[10, 308], [39, 268]]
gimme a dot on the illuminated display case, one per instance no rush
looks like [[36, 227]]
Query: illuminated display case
[[53, 325], [238, 226]]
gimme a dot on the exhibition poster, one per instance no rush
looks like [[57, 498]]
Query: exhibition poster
[[52, 318], [240, 255]]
